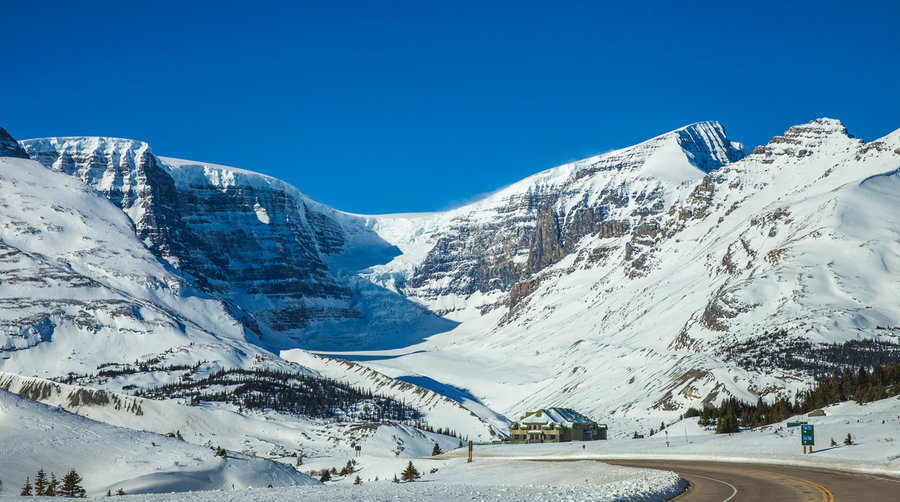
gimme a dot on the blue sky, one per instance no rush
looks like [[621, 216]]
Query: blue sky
[[376, 107]]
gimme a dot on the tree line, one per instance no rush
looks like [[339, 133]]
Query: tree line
[[863, 386], [51, 487], [778, 349], [288, 392]]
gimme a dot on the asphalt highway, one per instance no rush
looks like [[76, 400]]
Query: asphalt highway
[[739, 482]]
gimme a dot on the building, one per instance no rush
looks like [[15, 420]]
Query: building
[[551, 425]]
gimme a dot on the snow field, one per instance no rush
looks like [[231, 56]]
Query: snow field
[[496, 479], [35, 436]]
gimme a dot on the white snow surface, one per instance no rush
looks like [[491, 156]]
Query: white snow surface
[[35, 436], [457, 481]]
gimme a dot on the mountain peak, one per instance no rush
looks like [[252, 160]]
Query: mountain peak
[[9, 147], [707, 146], [801, 140]]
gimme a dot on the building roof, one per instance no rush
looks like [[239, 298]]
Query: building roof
[[563, 417]]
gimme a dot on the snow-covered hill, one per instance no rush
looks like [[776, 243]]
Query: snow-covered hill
[[35, 436], [269, 434]]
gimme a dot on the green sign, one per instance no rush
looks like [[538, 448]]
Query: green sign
[[807, 435], [795, 424]]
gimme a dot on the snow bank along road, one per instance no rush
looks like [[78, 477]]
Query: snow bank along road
[[735, 482]]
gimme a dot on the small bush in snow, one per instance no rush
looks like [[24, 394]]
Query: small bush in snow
[[410, 473]]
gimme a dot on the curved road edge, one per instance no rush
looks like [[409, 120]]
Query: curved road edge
[[756, 482]]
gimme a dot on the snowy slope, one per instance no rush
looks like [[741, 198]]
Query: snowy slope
[[108, 458], [79, 289], [268, 434]]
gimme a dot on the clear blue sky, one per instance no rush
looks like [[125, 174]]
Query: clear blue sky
[[413, 106]]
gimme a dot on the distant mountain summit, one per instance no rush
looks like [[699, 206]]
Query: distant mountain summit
[[9, 147]]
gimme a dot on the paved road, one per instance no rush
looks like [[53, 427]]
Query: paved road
[[736, 482]]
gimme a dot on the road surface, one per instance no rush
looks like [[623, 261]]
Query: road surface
[[739, 482]]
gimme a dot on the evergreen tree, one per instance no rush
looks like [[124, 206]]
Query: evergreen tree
[[410, 473], [40, 483], [109, 493], [357, 481], [326, 475], [395, 480], [71, 485], [436, 450], [848, 440], [120, 492], [727, 424], [52, 487], [26, 490]]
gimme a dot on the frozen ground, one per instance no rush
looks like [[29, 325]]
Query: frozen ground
[[487, 479]]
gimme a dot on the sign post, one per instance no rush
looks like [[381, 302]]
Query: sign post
[[667, 438], [469, 461], [807, 437]]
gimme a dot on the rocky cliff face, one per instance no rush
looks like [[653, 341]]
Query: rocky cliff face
[[505, 243], [247, 239], [79, 289], [9, 147]]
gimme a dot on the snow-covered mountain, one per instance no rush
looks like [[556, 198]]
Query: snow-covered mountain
[[629, 285], [86, 299], [646, 279]]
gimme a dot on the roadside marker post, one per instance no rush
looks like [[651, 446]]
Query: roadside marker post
[[469, 461], [667, 438]]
